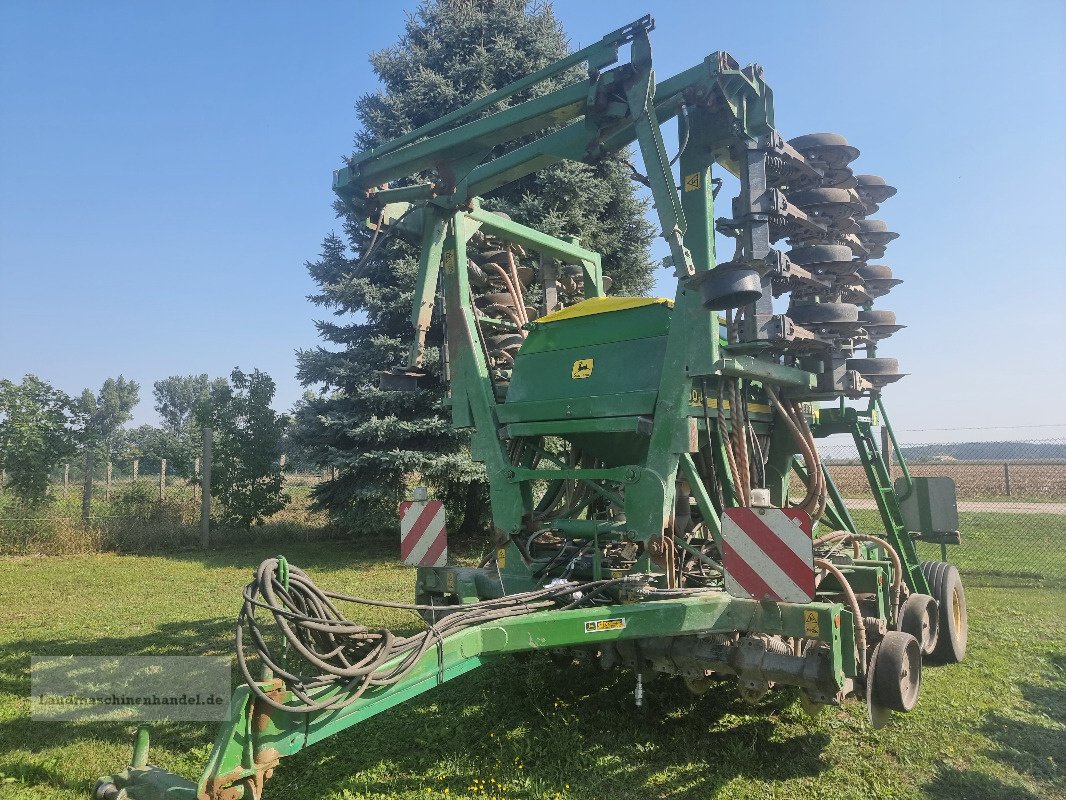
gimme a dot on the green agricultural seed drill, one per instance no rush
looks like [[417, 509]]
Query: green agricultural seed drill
[[643, 454]]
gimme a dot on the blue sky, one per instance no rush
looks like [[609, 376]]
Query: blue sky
[[165, 173]]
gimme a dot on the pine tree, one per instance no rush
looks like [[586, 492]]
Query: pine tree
[[452, 52]]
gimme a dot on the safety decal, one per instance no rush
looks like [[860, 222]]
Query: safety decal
[[600, 625]]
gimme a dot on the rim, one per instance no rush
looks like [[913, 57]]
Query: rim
[[956, 610], [909, 681]]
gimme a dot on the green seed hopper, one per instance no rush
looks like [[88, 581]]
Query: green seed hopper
[[658, 502]]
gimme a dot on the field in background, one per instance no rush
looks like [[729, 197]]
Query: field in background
[[992, 727], [1010, 482]]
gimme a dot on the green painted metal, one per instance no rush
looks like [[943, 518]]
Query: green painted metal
[[878, 405], [841, 515], [566, 252], [860, 427], [259, 736], [753, 369], [639, 392]]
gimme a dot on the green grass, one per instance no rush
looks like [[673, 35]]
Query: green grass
[[992, 727], [1000, 549]]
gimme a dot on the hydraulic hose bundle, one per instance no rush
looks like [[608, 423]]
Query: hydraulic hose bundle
[[352, 657]]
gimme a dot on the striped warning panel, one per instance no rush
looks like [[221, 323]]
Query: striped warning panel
[[423, 539], [769, 554]]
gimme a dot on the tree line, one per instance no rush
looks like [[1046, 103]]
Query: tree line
[[42, 427]]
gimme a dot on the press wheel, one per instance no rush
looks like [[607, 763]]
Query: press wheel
[[945, 584]]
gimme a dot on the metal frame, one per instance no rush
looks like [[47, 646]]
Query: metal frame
[[662, 430]]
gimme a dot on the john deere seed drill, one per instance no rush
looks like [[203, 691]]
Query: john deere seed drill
[[658, 502]]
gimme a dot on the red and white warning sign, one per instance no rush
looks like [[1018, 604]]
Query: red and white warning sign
[[769, 554], [423, 540]]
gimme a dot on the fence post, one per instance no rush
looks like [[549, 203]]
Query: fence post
[[205, 493], [66, 478], [1006, 478], [162, 478], [107, 481], [136, 464], [87, 485]]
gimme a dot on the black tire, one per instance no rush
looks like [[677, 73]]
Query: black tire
[[877, 316], [823, 313], [920, 617], [809, 254], [875, 272], [816, 198], [874, 187], [832, 148], [839, 178], [945, 585], [897, 667], [812, 140], [874, 366]]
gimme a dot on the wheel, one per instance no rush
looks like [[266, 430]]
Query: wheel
[[812, 140], [897, 672], [875, 272], [877, 316], [821, 198], [920, 617], [874, 187], [823, 313], [832, 148], [817, 254], [945, 584], [838, 178], [874, 366]]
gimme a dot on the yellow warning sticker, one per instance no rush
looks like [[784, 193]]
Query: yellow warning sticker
[[600, 625], [692, 182], [811, 626], [449, 261], [501, 557], [582, 369]]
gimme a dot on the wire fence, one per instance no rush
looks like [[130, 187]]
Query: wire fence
[[139, 505], [1012, 506], [1011, 498]]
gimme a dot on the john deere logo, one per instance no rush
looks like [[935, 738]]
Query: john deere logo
[[582, 368]]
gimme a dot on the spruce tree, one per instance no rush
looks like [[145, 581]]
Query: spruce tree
[[452, 52]]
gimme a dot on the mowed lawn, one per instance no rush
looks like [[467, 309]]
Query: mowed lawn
[[993, 727]]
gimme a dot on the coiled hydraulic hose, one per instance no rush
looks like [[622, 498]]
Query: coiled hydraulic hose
[[350, 656]]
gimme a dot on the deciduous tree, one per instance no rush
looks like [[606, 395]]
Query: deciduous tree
[[246, 479], [38, 430]]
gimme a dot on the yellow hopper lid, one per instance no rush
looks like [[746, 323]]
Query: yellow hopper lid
[[603, 305]]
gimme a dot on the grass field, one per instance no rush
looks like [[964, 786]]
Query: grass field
[[992, 727]]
